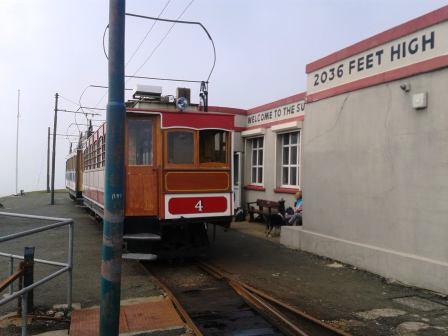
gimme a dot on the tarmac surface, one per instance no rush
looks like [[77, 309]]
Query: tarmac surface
[[53, 245], [351, 299]]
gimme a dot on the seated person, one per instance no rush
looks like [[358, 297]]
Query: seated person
[[296, 219]]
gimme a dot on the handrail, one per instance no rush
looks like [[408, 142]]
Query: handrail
[[65, 267]]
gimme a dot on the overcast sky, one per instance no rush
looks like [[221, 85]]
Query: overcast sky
[[49, 46]]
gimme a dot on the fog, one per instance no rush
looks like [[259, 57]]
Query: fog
[[262, 48]]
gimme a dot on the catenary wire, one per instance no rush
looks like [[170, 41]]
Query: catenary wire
[[163, 38], [185, 22], [138, 47]]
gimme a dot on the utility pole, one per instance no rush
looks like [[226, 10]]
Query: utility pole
[[17, 142], [48, 160], [53, 163], [114, 176]]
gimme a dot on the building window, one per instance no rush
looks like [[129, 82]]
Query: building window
[[257, 160], [180, 147], [212, 146], [290, 159]]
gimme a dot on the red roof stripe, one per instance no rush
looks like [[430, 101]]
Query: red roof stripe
[[277, 103]]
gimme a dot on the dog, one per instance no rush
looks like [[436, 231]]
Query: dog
[[275, 221]]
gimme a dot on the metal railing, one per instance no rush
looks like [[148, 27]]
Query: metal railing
[[65, 267]]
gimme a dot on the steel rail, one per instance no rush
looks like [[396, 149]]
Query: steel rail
[[262, 307], [183, 313], [213, 270], [268, 311]]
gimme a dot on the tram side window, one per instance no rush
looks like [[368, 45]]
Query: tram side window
[[180, 147], [139, 142], [212, 146]]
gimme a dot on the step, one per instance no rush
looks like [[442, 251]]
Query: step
[[141, 236], [139, 256]]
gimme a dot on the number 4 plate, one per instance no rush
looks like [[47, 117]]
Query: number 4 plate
[[192, 206]]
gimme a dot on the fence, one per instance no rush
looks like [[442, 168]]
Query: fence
[[65, 267]]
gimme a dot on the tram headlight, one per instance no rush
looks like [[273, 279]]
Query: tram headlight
[[182, 103]]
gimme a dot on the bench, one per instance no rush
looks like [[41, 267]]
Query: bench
[[264, 207]]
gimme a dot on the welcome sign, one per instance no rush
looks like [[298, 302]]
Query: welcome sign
[[279, 113], [420, 46]]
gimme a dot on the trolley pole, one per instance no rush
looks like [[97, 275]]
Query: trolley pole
[[53, 163], [114, 176], [48, 161]]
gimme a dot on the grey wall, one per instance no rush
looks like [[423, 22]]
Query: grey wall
[[375, 172]]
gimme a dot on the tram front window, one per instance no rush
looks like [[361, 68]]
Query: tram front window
[[180, 147], [212, 146], [139, 142]]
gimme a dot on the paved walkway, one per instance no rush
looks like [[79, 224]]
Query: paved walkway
[[357, 301]]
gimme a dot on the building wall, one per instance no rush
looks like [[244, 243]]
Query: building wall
[[376, 181]]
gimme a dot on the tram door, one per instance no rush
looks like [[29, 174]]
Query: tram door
[[237, 180], [141, 172]]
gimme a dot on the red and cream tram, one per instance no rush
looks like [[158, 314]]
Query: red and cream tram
[[178, 176], [73, 174]]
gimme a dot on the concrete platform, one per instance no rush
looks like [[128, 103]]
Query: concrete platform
[[53, 244]]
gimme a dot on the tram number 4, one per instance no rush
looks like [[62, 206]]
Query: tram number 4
[[199, 206]]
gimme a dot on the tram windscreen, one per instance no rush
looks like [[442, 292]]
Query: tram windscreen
[[212, 146], [139, 142], [180, 147]]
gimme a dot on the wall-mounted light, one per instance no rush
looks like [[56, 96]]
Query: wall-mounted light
[[406, 87]]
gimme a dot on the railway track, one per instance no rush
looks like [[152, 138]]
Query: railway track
[[212, 302]]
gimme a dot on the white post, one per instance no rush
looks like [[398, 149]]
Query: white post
[[17, 142]]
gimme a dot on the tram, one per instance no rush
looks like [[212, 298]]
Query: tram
[[74, 174], [177, 175]]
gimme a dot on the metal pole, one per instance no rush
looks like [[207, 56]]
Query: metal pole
[[17, 143], [24, 313], [11, 271], [114, 176], [28, 275], [56, 96], [48, 160], [70, 264]]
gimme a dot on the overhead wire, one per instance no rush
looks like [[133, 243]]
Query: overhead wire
[[185, 22], [138, 47], [75, 113], [163, 38], [147, 34]]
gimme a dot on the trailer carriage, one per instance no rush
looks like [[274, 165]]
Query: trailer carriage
[[73, 174], [178, 177]]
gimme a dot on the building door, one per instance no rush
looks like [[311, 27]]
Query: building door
[[237, 188], [141, 173]]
